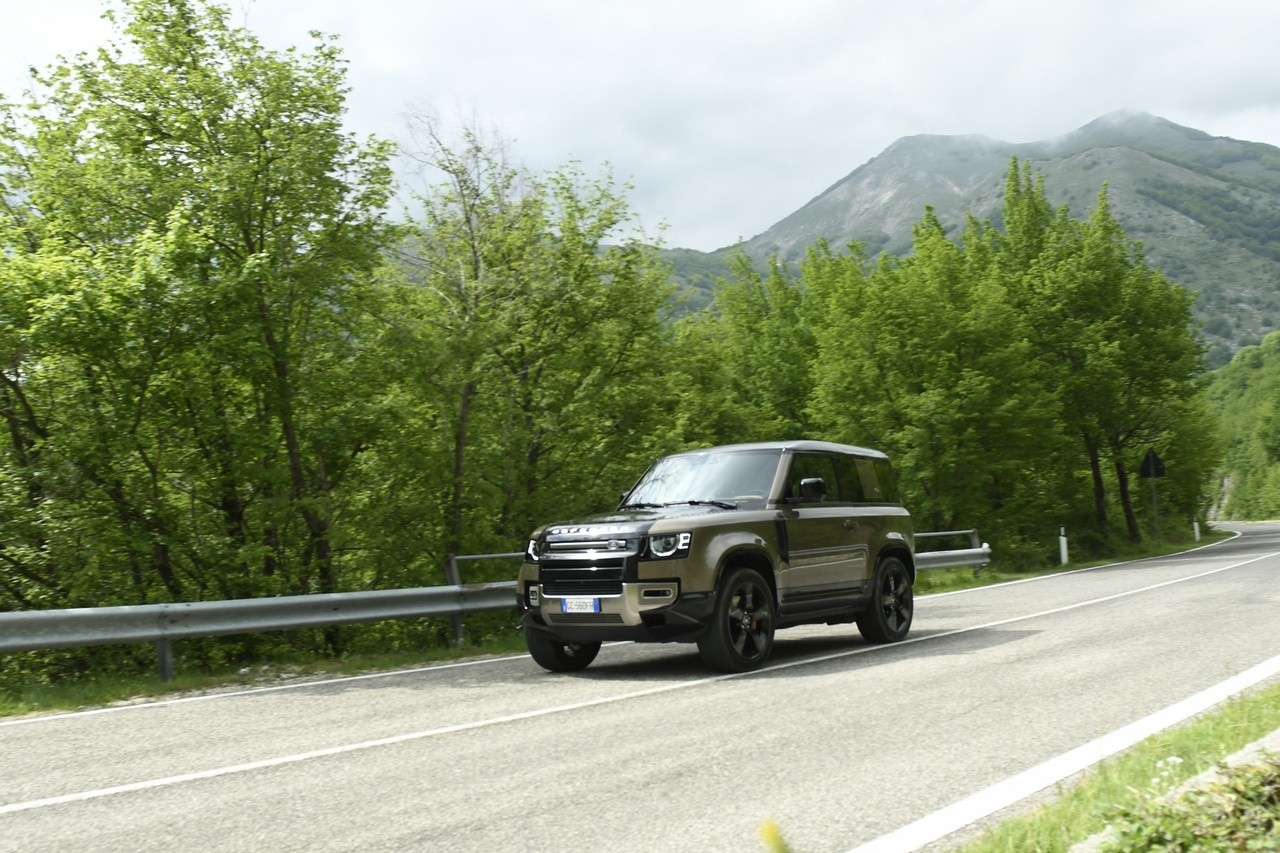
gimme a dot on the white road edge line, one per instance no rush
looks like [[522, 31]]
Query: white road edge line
[[990, 800], [298, 685], [215, 772]]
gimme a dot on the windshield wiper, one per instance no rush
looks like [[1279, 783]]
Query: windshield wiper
[[721, 504], [641, 505]]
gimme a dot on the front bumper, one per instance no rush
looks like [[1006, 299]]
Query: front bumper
[[644, 611]]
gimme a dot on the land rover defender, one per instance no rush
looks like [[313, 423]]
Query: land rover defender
[[721, 547]]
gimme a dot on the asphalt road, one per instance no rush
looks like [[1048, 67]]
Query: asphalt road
[[837, 741]]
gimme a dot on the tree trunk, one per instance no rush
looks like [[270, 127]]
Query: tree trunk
[[1126, 500], [1099, 488], [453, 530]]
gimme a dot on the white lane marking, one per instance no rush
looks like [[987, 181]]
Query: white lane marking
[[990, 800], [337, 750], [297, 685], [542, 712]]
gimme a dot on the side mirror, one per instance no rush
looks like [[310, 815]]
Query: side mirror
[[813, 490]]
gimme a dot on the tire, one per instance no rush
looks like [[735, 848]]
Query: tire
[[892, 604], [740, 635], [559, 655]]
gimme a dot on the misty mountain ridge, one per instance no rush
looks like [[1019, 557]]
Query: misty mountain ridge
[[1205, 208]]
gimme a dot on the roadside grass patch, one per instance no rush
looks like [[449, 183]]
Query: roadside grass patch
[[1124, 789], [106, 688], [1241, 812]]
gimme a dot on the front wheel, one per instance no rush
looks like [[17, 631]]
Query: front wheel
[[741, 631], [892, 604], [559, 655]]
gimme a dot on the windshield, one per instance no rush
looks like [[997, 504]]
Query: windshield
[[729, 477]]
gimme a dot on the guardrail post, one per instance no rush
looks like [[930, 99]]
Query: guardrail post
[[975, 542], [454, 578], [164, 658], [1062, 544]]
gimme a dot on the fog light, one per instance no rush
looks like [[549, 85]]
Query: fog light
[[533, 596]]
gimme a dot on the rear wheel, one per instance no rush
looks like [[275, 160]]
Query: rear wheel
[[741, 632], [559, 655], [892, 604]]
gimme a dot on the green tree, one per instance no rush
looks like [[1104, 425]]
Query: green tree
[[191, 247], [1114, 335], [927, 359], [765, 351], [538, 335], [1242, 396]]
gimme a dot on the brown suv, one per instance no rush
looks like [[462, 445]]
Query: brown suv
[[722, 546]]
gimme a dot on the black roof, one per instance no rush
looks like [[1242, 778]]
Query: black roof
[[795, 445]]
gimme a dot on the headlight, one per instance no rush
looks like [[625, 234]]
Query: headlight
[[532, 551], [665, 545]]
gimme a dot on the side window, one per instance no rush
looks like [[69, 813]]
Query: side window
[[850, 481], [807, 467], [888, 481], [878, 481]]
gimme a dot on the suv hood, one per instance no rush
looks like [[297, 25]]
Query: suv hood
[[624, 523]]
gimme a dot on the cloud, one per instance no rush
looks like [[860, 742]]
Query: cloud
[[727, 115]]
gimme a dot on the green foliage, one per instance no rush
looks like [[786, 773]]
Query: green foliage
[[190, 258], [1240, 812], [1230, 214], [1113, 337], [926, 359], [1243, 395], [534, 348]]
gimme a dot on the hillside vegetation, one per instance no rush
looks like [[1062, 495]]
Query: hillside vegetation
[[1206, 209], [1245, 395]]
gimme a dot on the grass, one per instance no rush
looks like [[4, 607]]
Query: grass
[[1128, 785], [107, 688]]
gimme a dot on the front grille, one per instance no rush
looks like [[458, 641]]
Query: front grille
[[583, 562], [584, 618], [555, 589], [558, 573], [585, 573]]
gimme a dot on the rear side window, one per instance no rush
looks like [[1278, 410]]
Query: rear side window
[[878, 481]]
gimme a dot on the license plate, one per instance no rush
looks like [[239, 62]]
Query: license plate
[[579, 604]]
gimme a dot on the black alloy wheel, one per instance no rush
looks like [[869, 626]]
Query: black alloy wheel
[[740, 636], [892, 604]]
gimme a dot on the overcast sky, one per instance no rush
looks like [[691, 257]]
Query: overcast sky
[[727, 115]]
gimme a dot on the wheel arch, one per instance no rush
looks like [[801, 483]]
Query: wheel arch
[[751, 558], [903, 553]]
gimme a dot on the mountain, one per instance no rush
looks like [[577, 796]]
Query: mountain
[[1205, 208]]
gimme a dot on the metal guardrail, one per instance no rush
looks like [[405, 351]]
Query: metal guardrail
[[978, 554], [30, 630]]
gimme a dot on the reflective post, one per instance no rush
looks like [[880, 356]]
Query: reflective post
[[1062, 544]]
